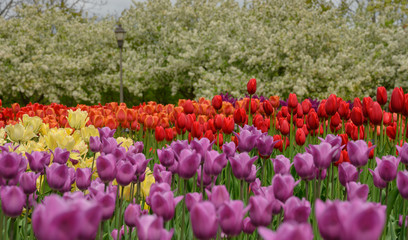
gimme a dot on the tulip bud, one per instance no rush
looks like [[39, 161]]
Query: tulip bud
[[125, 172], [132, 212], [251, 86], [28, 182], [163, 204], [397, 100], [159, 133], [292, 101], [388, 167], [231, 217], [357, 191], [300, 137], [260, 211], [217, 102], [357, 116], [188, 107], [331, 105], [83, 178], [381, 96], [106, 167], [402, 183]]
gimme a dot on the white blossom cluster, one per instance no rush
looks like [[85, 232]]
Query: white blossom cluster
[[207, 46]]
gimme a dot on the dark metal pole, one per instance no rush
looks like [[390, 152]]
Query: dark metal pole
[[121, 80]]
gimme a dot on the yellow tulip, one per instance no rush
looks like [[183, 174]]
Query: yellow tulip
[[88, 132], [17, 133], [2, 136], [32, 122], [126, 142], [77, 119]]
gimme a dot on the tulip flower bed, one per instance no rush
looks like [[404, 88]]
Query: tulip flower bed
[[206, 169]]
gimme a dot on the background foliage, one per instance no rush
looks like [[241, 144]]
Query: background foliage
[[194, 48]]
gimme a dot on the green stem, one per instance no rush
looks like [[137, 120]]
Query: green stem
[[120, 212], [241, 193], [402, 235], [138, 197], [26, 218], [249, 111], [184, 210], [93, 162], [202, 180]]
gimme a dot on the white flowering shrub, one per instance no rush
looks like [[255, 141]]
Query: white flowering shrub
[[202, 47]]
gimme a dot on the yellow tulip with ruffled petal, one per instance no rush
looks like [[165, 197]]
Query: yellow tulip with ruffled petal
[[61, 138], [126, 142], [88, 132], [18, 133], [77, 119], [2, 136], [32, 122]]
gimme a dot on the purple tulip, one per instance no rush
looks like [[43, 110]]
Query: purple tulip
[[252, 175], [157, 187], [219, 195], [164, 203], [265, 144], [178, 146], [60, 155], [53, 219], [108, 145], [150, 227], [28, 181], [229, 149], [283, 186], [281, 165], [402, 183], [83, 178], [201, 147], [256, 187], [57, 175], [206, 178], [322, 154], [297, 210], [403, 153], [231, 217], [114, 233], [400, 220], [189, 161], [304, 165], [347, 173], [247, 227], [68, 181], [95, 144], [91, 218], [107, 203], [377, 180], [269, 194], [139, 160], [335, 142], [11, 164], [12, 200], [214, 163], [260, 211], [166, 156], [246, 140], [137, 147], [241, 165], [387, 167], [350, 220], [357, 191], [358, 152], [288, 231], [204, 220], [161, 175], [119, 153], [192, 198], [132, 213], [125, 172], [106, 167], [106, 132], [38, 161]]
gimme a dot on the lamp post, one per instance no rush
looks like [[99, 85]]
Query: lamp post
[[120, 37]]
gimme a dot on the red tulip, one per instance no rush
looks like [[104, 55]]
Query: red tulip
[[209, 134], [169, 134], [306, 106], [228, 125], [159, 133], [251, 86], [274, 101], [331, 105], [240, 116], [381, 96], [321, 111], [217, 102], [335, 120], [405, 108], [312, 121], [15, 107], [299, 122], [292, 101], [375, 114], [218, 121], [387, 118], [391, 131], [397, 100], [357, 116], [354, 133], [344, 139], [196, 131], [299, 111], [344, 110], [181, 121], [188, 107], [267, 107], [367, 103], [357, 103], [284, 127], [300, 137], [121, 115]]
